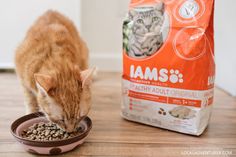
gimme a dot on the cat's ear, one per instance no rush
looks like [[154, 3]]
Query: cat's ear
[[44, 82], [160, 7], [132, 14], [87, 76]]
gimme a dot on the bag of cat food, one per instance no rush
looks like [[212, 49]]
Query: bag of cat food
[[168, 64]]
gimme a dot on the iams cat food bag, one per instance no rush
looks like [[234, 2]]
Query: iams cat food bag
[[168, 64]]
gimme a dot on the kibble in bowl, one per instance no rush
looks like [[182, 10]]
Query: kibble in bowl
[[39, 136], [48, 132]]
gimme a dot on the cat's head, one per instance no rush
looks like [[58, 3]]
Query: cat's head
[[65, 98], [147, 19]]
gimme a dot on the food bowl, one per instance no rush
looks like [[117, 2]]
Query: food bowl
[[48, 147]]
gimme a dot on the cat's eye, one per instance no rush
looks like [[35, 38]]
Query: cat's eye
[[155, 19], [140, 21]]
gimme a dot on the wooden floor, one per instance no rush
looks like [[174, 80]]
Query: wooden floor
[[113, 136]]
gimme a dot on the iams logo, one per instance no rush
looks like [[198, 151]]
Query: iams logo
[[154, 74]]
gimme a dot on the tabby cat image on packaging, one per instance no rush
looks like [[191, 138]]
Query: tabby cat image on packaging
[[168, 64]]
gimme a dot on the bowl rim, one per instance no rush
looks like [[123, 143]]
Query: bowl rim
[[55, 143]]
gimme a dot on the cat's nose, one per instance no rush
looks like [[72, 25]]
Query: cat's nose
[[70, 128], [148, 26]]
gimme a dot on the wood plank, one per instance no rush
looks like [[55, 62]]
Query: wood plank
[[120, 149], [112, 135]]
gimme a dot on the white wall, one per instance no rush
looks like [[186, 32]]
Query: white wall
[[225, 42], [101, 26], [16, 16], [102, 29]]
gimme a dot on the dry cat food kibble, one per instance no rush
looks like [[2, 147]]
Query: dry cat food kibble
[[48, 132], [168, 64], [162, 111]]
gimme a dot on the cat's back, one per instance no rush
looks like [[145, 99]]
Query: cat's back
[[51, 31], [54, 18]]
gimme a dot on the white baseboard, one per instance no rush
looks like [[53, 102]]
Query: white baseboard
[[110, 62], [7, 65]]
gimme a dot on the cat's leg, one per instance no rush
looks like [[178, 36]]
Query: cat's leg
[[135, 49], [132, 52], [148, 44], [138, 50], [31, 103], [155, 44]]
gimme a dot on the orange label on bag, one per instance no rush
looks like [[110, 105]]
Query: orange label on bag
[[186, 58], [168, 64]]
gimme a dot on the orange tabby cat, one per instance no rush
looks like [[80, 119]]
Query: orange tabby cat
[[52, 64]]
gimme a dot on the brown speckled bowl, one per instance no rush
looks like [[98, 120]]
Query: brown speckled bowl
[[47, 147]]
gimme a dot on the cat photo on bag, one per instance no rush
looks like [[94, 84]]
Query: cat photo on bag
[[145, 36]]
